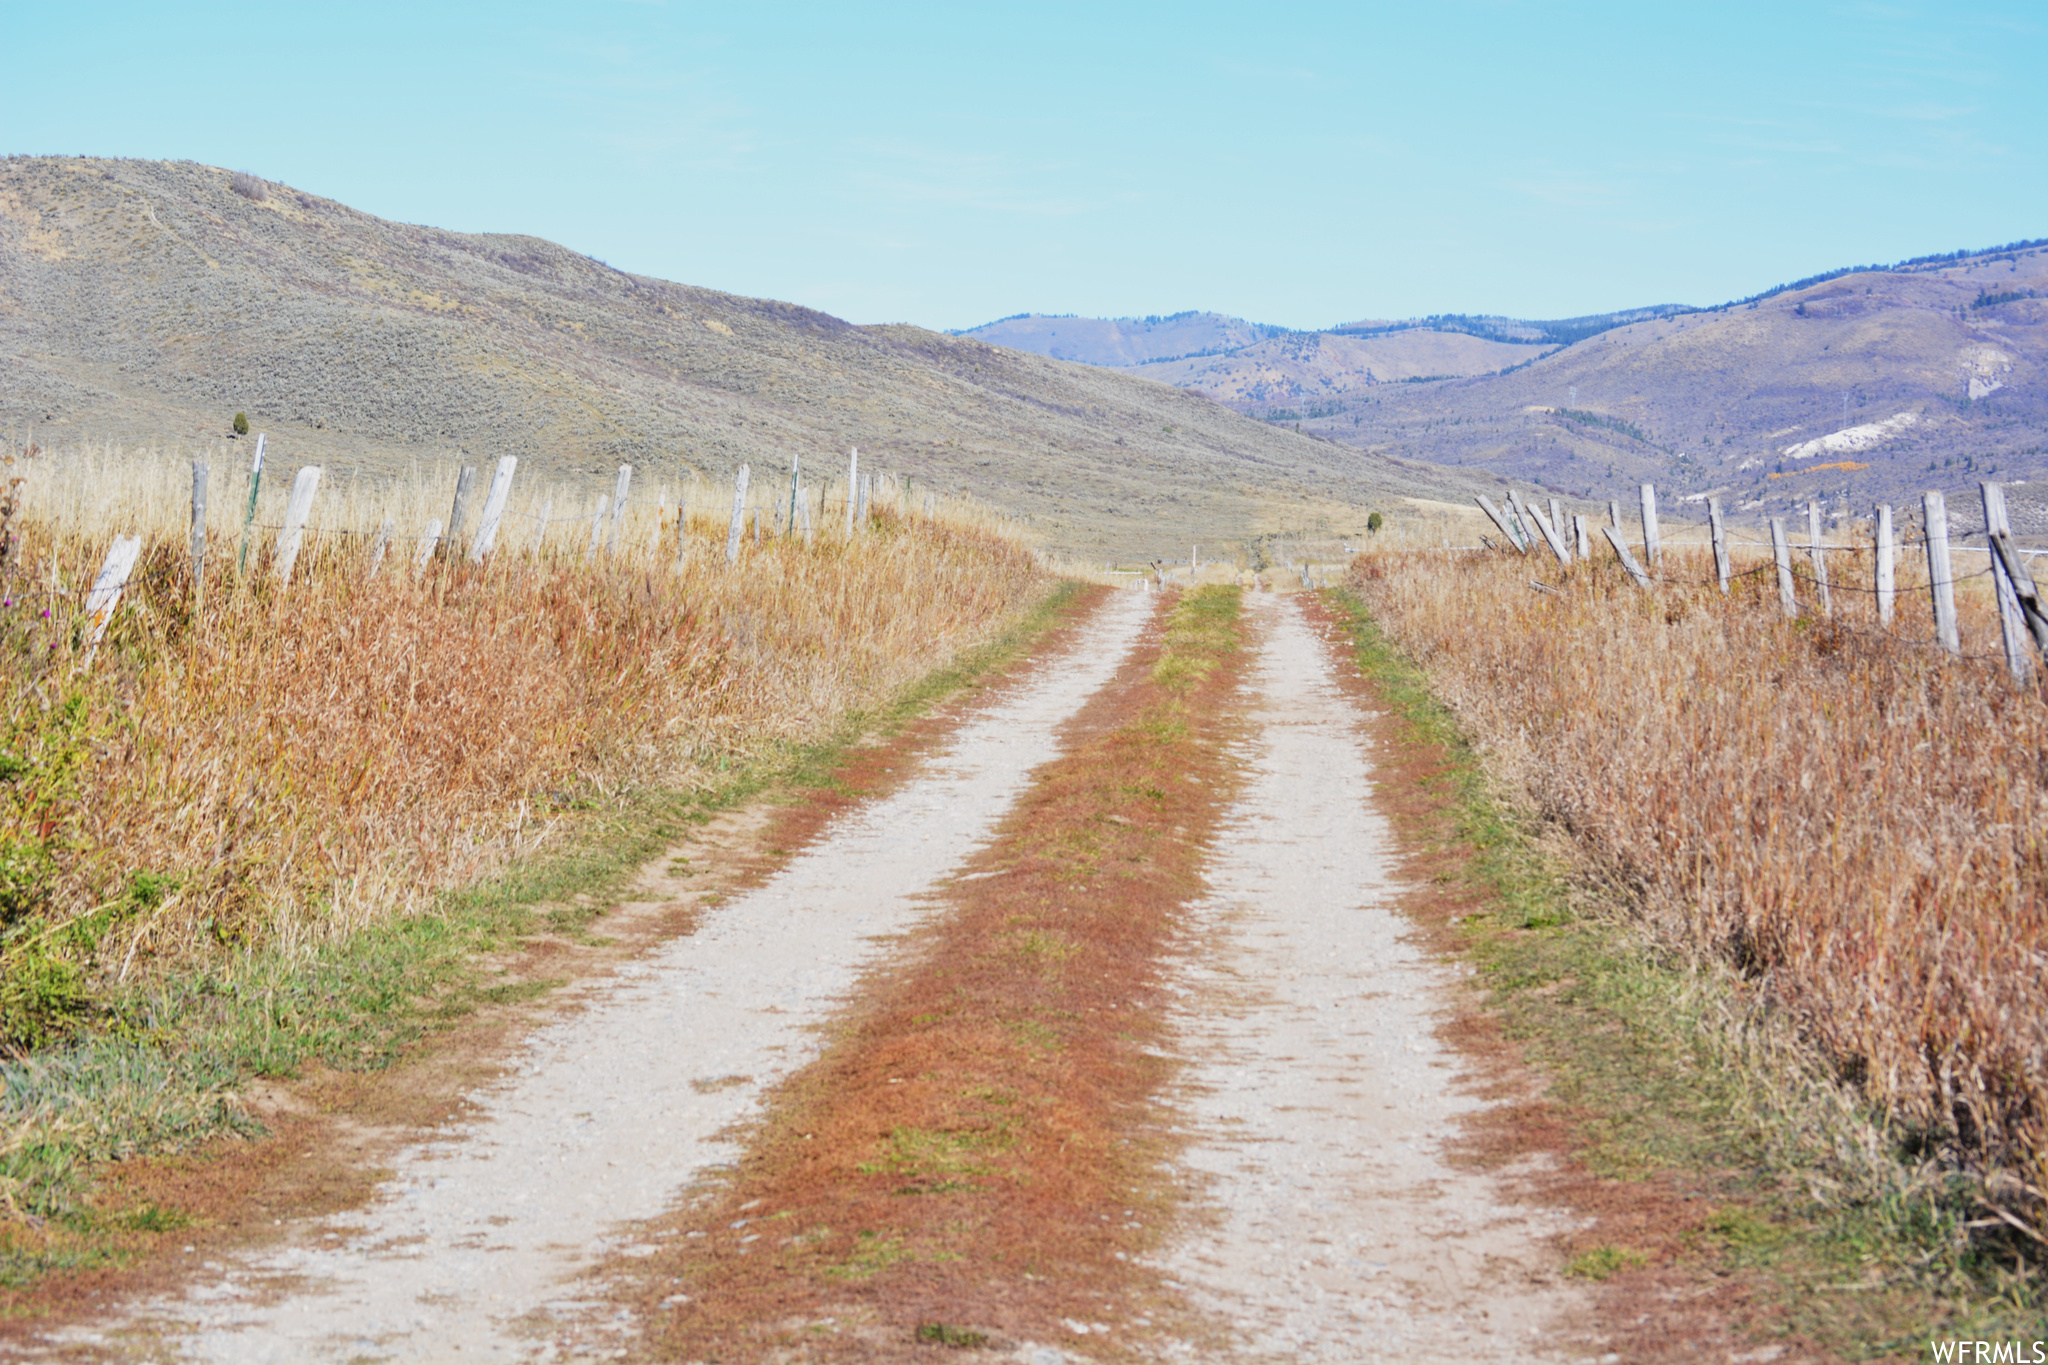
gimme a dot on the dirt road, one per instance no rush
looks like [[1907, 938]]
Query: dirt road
[[1326, 1221]]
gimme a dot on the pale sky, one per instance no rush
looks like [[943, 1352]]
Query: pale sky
[[950, 164]]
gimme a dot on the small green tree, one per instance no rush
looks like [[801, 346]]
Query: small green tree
[[1374, 522], [241, 424]]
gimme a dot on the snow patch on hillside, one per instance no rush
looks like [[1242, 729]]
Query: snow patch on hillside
[[1851, 440]]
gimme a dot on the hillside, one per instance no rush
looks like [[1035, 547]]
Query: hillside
[[1863, 385], [147, 302]]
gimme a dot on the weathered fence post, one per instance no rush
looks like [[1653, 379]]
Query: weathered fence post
[[611, 540], [540, 526], [458, 511], [1500, 520], [494, 509], [1941, 578], [1653, 547], [1585, 544], [249, 516], [1782, 553], [852, 486], [739, 516], [1720, 535], [199, 472], [1820, 558], [1628, 561], [430, 540], [2019, 607], [106, 589], [296, 511], [789, 527], [1557, 520], [1614, 513], [1887, 582], [1551, 537], [380, 545]]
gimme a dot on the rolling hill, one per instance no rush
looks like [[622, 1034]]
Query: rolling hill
[[1861, 385], [146, 302]]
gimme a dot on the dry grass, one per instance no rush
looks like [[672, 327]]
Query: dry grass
[[289, 762], [1850, 818]]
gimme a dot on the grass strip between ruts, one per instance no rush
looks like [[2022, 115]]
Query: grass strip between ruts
[[163, 1077], [1712, 1206], [978, 1154]]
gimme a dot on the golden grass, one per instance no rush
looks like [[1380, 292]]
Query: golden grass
[[290, 762], [1855, 821]]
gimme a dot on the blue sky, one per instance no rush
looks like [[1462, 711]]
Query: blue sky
[[949, 164]]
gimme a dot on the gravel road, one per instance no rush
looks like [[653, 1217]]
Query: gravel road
[[467, 1251], [1319, 1096]]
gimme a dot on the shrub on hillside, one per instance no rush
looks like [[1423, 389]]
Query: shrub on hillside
[[249, 187]]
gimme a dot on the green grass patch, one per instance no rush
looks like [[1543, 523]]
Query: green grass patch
[[1667, 1074], [162, 1073]]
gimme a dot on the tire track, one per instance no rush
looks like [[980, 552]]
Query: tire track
[[468, 1251]]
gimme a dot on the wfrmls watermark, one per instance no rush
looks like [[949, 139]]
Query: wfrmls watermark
[[1963, 1351]]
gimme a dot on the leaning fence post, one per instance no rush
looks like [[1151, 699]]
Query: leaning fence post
[[1887, 583], [459, 510], [1557, 520], [382, 543], [1720, 535], [249, 516], [1628, 561], [1820, 560], [2012, 618], [1941, 578], [1551, 537], [1585, 545], [852, 479], [199, 472], [429, 539], [494, 509], [106, 589], [296, 511], [1500, 520], [1653, 547], [739, 517], [1782, 553]]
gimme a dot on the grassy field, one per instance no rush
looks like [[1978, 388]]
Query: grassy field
[[288, 762], [1839, 815]]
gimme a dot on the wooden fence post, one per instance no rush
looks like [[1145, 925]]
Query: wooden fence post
[[494, 509], [249, 516], [738, 527], [852, 483], [296, 511], [1782, 554], [789, 527], [1557, 520], [1941, 578], [430, 540], [1614, 513], [1887, 581], [2012, 584], [1820, 558], [382, 543], [1653, 546], [458, 511], [199, 472], [1722, 570], [1628, 561], [611, 540], [1585, 544], [1551, 537], [1506, 528], [540, 526], [106, 589]]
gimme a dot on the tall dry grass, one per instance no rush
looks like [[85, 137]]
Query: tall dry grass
[[1851, 818], [292, 760]]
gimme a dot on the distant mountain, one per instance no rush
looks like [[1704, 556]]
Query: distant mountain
[[1865, 383], [146, 302]]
